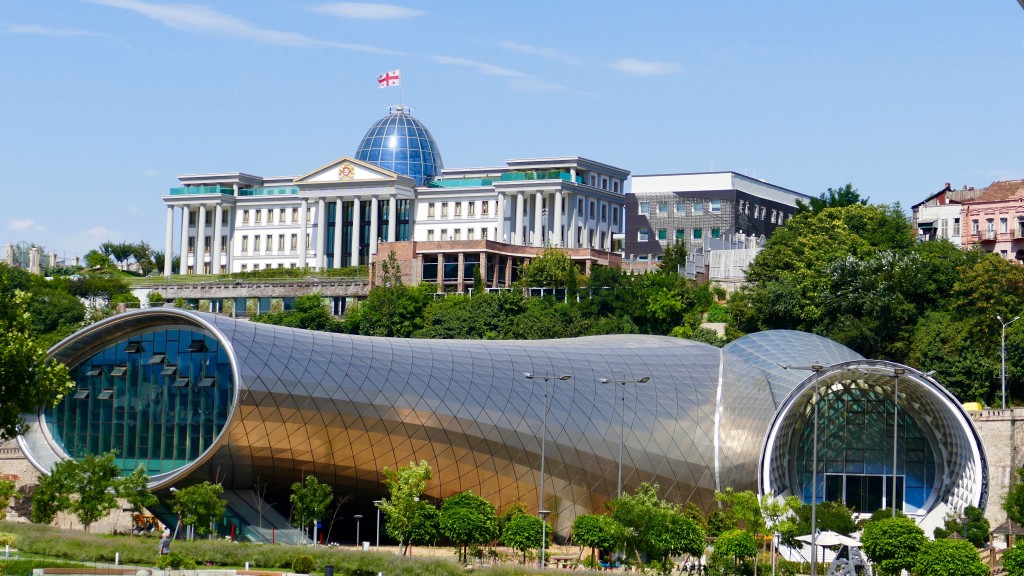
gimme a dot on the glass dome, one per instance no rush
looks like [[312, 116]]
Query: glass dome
[[402, 144]]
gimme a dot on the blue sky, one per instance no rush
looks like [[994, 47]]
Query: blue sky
[[104, 102]]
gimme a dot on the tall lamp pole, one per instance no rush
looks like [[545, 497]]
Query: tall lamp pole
[[377, 503], [622, 420], [895, 435], [543, 447], [816, 368], [1002, 351], [358, 517]]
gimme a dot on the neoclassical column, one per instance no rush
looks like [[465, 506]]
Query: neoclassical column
[[538, 218], [392, 218], [374, 230], [201, 241], [321, 238], [355, 231], [440, 272], [168, 242], [303, 229], [338, 205], [183, 265], [499, 214], [218, 215], [585, 223], [517, 220], [559, 221]]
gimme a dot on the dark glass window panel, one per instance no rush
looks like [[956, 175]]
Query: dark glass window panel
[[105, 395], [156, 359], [119, 371]]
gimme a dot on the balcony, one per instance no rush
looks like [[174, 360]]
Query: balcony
[[276, 191], [190, 190]]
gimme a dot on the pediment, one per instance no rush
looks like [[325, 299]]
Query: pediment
[[346, 169]]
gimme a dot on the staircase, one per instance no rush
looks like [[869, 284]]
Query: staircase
[[269, 527]]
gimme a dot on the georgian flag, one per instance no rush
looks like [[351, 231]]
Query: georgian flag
[[388, 79]]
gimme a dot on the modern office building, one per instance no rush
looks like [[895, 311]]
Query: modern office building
[[665, 208], [394, 191], [194, 396]]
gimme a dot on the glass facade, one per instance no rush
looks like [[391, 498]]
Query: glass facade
[[156, 385], [402, 144], [158, 398]]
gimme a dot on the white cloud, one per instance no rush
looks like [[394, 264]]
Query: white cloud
[[482, 67], [367, 11], [195, 18], [39, 30], [548, 53], [23, 225], [536, 85], [645, 67], [151, 173], [93, 237]]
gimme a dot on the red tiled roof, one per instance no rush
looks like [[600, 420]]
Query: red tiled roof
[[1002, 190]]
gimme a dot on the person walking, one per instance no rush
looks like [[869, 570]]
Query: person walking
[[165, 543]]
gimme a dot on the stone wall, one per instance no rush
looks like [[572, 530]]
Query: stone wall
[[1002, 433]]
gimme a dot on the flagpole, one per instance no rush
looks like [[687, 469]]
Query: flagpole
[[399, 87]]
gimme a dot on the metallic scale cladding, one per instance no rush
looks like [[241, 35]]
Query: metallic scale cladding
[[195, 396]]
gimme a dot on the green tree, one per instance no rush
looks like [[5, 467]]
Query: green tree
[[551, 269], [54, 492], [7, 492], [834, 516], [96, 259], [595, 531], [832, 198], [30, 379], [971, 523], [425, 528], [134, 489], [948, 558], [1013, 502], [735, 545], [310, 500], [654, 526], [1013, 560], [199, 505], [309, 313], [524, 532], [468, 519], [673, 259], [96, 479], [893, 543], [405, 486]]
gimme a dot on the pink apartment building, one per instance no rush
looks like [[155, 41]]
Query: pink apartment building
[[995, 219]]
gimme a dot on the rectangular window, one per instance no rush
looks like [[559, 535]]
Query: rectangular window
[[484, 206], [593, 180], [716, 233], [615, 216], [943, 228], [604, 183], [295, 242], [956, 226], [697, 233], [255, 266], [643, 234], [615, 186], [259, 216], [680, 235], [245, 216], [458, 234], [270, 243], [604, 212], [430, 210], [444, 209], [280, 243], [662, 207], [224, 216], [206, 244], [471, 209], [430, 235], [645, 207], [444, 234], [245, 243], [295, 215], [698, 206], [270, 216], [256, 243], [592, 210], [579, 205], [223, 243], [990, 225], [483, 233], [458, 209], [1003, 226], [662, 234], [281, 215], [974, 226], [716, 206], [469, 234], [680, 207]]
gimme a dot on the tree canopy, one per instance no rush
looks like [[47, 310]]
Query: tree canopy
[[403, 505], [468, 519], [893, 543]]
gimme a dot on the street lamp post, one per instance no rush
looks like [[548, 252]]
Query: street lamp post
[[895, 436], [377, 503], [816, 368], [1002, 351], [543, 447], [622, 421], [358, 517]]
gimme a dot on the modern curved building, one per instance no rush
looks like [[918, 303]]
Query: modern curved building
[[196, 396]]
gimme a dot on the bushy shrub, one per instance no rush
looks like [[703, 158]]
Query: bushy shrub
[[175, 561], [303, 564], [8, 539]]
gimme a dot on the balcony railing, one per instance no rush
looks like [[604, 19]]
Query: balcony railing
[[188, 190]]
